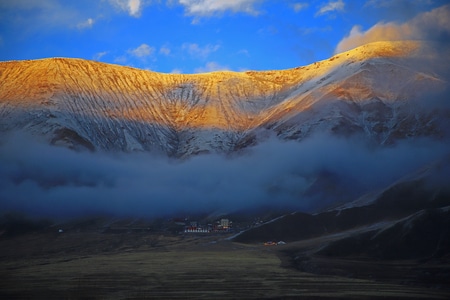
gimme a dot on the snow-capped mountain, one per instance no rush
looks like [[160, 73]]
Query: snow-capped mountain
[[376, 91]]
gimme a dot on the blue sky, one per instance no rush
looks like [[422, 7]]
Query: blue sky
[[192, 36]]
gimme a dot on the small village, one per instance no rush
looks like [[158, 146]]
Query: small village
[[220, 226]]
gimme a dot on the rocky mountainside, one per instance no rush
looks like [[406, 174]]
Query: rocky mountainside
[[375, 91]]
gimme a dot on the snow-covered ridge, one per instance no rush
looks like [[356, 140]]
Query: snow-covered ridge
[[79, 103]]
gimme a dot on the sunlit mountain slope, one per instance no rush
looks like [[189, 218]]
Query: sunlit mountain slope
[[76, 103]]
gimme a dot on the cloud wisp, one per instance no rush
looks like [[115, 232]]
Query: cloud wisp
[[51, 181], [211, 66], [331, 6], [86, 24], [142, 51], [132, 7], [198, 51], [208, 8], [299, 6]]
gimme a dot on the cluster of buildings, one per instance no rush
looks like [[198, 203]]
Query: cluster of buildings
[[222, 225]]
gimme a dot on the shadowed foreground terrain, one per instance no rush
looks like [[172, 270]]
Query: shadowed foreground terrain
[[89, 260]]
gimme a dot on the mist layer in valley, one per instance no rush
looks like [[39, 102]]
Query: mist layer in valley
[[320, 171]]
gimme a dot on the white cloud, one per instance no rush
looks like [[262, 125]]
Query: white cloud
[[121, 59], [164, 50], [433, 25], [299, 6], [86, 24], [132, 7], [244, 52], [213, 7], [99, 55], [331, 6], [176, 71], [201, 52], [211, 67], [142, 51]]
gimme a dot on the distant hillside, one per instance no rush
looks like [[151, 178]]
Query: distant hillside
[[407, 220]]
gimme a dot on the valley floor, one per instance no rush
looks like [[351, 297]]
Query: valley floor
[[90, 264]]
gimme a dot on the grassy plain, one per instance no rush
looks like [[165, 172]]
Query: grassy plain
[[145, 265]]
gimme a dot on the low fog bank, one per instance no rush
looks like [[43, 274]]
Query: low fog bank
[[47, 181]]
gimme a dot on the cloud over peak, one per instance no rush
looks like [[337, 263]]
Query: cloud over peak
[[433, 25]]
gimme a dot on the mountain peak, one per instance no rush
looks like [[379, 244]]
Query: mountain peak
[[119, 108], [385, 49]]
